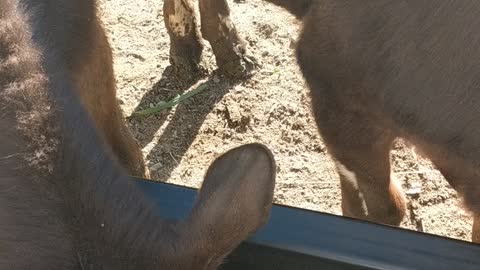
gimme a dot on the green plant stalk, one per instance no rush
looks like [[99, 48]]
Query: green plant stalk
[[162, 105]]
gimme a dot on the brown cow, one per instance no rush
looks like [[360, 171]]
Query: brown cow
[[88, 59], [378, 70], [66, 202], [216, 26]]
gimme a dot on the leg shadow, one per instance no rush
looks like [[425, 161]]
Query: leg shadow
[[185, 125], [144, 128]]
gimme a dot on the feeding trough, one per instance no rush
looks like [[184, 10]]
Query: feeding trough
[[299, 239]]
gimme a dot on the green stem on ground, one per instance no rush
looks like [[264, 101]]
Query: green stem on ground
[[162, 105]]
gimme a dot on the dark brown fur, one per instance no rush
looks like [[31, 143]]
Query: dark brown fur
[[93, 69], [88, 59], [378, 70], [66, 202]]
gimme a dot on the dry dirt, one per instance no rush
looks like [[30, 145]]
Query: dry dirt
[[272, 107]]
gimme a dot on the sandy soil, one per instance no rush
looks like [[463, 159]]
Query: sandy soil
[[272, 107]]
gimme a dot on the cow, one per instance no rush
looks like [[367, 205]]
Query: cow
[[217, 28], [378, 70], [67, 198]]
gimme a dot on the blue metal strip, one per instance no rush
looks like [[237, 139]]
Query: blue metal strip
[[302, 239]]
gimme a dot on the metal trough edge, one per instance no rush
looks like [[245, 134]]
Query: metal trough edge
[[301, 239]]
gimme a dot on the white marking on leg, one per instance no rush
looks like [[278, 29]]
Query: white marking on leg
[[347, 174], [179, 21], [352, 179], [395, 183], [225, 24]]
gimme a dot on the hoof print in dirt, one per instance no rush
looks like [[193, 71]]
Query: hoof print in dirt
[[236, 119]]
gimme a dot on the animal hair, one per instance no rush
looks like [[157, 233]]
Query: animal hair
[[24, 90]]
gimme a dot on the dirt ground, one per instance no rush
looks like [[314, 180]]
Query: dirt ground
[[272, 107]]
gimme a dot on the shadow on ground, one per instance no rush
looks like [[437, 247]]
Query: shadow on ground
[[183, 125]]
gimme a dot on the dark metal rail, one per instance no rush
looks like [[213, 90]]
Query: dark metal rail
[[302, 239]]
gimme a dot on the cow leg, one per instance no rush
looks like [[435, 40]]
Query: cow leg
[[476, 229], [360, 148], [219, 30], [185, 40], [92, 71], [458, 179], [461, 175]]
